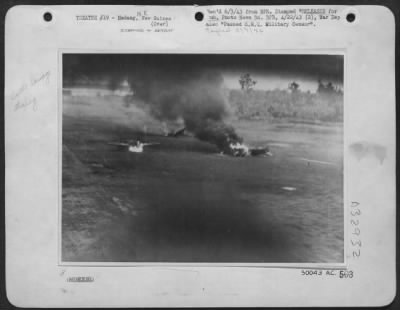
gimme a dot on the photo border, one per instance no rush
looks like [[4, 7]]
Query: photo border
[[321, 266]]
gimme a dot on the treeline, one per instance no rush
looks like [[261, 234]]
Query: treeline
[[325, 105]]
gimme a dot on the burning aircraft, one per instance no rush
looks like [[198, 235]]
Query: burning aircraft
[[242, 150]]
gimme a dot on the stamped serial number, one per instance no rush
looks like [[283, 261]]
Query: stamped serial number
[[341, 274], [355, 221]]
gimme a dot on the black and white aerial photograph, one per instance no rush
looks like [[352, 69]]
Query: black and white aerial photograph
[[202, 158]]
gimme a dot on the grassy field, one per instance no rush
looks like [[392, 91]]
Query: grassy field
[[181, 201]]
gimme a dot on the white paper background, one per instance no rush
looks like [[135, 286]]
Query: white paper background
[[34, 277]]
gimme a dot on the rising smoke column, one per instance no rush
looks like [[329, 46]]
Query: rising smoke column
[[196, 96]]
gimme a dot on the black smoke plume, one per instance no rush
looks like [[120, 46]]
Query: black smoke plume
[[193, 95]]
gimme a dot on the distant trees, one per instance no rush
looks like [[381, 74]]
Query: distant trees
[[246, 82], [243, 104], [293, 87], [328, 88], [325, 104]]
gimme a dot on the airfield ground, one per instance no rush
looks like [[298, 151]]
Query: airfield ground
[[181, 201]]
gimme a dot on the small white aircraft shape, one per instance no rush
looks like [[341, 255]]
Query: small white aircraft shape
[[137, 147]]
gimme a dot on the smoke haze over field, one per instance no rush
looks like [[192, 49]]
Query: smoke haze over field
[[189, 95], [192, 87]]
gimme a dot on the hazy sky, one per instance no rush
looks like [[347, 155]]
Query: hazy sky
[[270, 71]]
